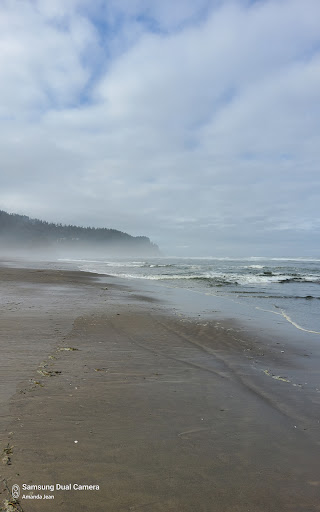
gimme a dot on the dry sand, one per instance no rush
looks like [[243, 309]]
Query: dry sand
[[101, 385]]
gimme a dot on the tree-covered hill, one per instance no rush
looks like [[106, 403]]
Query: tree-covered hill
[[20, 231]]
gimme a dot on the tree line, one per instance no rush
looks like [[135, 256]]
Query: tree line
[[23, 230]]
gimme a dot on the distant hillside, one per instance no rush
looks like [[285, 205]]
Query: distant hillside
[[22, 232]]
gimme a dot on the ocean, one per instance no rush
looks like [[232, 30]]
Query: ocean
[[286, 289]]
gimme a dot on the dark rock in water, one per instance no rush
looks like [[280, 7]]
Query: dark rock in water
[[293, 280]]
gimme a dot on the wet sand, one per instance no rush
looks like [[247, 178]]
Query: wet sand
[[101, 385]]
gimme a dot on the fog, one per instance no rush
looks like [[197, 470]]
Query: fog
[[14, 251]]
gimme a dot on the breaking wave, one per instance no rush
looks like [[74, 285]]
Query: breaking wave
[[290, 284]]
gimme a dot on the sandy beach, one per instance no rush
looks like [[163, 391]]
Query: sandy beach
[[106, 387]]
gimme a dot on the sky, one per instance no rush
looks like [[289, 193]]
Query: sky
[[193, 122]]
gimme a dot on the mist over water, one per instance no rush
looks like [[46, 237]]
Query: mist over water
[[289, 288], [73, 252]]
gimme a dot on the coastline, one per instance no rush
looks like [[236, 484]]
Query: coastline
[[169, 412]]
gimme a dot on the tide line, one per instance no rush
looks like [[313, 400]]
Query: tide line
[[287, 317]]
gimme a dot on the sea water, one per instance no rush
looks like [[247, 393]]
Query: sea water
[[282, 288]]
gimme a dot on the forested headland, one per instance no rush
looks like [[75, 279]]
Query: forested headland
[[20, 232]]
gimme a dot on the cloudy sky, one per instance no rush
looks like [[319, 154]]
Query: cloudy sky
[[194, 122]]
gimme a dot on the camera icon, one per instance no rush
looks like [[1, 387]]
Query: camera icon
[[15, 491]]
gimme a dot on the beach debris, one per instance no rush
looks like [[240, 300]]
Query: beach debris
[[48, 373], [11, 505], [67, 349], [276, 377], [6, 459], [8, 449], [38, 383], [76, 442], [52, 357], [44, 373]]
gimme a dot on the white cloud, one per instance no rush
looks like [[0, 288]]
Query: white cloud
[[213, 118], [41, 62]]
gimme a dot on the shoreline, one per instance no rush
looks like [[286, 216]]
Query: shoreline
[[169, 412]]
